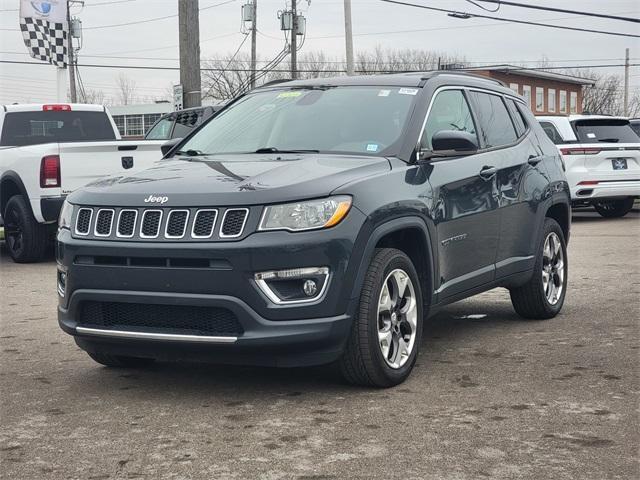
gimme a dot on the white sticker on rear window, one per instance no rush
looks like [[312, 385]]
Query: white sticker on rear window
[[408, 91], [372, 147], [384, 93], [591, 135]]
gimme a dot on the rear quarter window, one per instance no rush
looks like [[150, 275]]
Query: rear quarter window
[[33, 128], [605, 130], [552, 132]]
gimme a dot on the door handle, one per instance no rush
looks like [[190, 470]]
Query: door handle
[[534, 159], [127, 162], [488, 172]]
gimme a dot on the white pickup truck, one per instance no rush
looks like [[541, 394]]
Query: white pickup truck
[[48, 151], [602, 158]]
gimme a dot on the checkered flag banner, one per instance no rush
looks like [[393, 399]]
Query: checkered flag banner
[[45, 30]]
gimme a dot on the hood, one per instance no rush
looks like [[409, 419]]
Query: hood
[[231, 180]]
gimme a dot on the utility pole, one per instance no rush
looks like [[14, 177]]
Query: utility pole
[[626, 82], [189, 33], [348, 35], [294, 40], [73, 96], [254, 34]]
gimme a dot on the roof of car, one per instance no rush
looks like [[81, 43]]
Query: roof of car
[[36, 107], [408, 79]]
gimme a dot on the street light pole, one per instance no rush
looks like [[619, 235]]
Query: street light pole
[[294, 40], [348, 35], [254, 33]]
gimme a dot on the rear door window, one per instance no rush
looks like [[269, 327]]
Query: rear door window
[[161, 130], [494, 123], [449, 111], [32, 128], [606, 130]]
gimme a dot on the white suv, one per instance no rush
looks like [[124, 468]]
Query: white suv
[[602, 157]]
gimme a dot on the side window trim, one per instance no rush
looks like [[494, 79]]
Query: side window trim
[[465, 90], [462, 89]]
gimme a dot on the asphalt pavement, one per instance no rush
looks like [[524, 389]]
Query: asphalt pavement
[[492, 396]]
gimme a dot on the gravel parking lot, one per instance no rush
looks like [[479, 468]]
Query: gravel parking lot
[[493, 396]]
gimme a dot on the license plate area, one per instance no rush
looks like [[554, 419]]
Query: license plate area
[[619, 163]]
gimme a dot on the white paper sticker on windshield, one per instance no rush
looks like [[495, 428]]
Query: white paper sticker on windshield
[[372, 147], [408, 91], [384, 93], [591, 135]]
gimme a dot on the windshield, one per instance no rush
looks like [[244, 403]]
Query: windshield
[[358, 120], [161, 130], [32, 128], [607, 130]]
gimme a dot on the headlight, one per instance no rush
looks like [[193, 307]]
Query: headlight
[[307, 215], [64, 221]]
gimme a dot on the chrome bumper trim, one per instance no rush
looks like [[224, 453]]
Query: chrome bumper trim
[[170, 337]]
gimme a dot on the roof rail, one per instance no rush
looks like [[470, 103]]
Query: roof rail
[[275, 82], [467, 74]]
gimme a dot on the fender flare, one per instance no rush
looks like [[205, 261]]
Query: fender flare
[[397, 224], [12, 176]]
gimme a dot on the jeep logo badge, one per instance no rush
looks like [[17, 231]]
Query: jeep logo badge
[[154, 199]]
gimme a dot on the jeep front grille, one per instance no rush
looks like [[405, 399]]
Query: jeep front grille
[[162, 224], [159, 318]]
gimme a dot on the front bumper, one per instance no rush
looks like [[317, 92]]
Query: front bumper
[[263, 342], [278, 335]]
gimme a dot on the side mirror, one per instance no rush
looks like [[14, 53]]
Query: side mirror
[[451, 142], [166, 147]]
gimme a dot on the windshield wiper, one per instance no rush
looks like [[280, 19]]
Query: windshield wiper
[[277, 150], [190, 153]]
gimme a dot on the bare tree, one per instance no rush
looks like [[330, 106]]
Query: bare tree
[[229, 77], [96, 97], [126, 89], [605, 96]]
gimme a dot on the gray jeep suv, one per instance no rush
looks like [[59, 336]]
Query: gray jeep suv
[[316, 222]]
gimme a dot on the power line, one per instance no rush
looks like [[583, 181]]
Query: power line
[[511, 20], [217, 69], [553, 9], [149, 20], [340, 62]]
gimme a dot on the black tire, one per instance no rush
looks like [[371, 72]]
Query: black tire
[[614, 208], [25, 238], [362, 362], [529, 300], [117, 361]]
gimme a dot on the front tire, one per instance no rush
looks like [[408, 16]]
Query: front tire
[[614, 208], [543, 295], [118, 361], [385, 337], [25, 238]]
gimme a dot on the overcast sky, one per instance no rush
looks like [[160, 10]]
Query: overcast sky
[[374, 23]]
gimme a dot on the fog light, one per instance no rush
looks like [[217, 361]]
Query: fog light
[[296, 285], [62, 283], [310, 288]]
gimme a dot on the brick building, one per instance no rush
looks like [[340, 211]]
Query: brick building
[[548, 93]]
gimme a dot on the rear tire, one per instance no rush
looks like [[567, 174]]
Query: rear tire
[[386, 333], [25, 238], [537, 299], [614, 208], [118, 361]]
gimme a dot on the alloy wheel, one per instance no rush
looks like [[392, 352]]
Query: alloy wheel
[[553, 268], [397, 318]]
